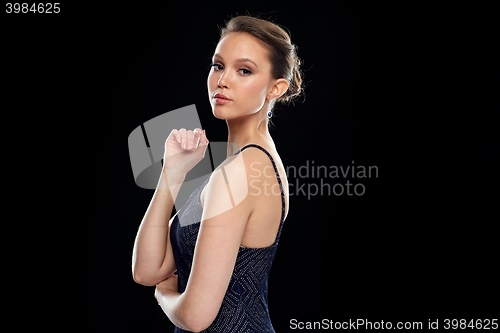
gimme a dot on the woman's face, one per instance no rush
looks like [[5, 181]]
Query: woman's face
[[241, 72]]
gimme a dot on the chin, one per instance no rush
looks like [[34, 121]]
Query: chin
[[218, 112]]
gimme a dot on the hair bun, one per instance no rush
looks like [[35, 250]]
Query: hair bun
[[295, 87]]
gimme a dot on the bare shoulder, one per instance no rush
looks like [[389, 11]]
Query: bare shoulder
[[256, 159], [262, 173], [232, 182], [227, 190], [246, 162]]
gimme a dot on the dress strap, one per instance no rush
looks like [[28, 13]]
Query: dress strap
[[283, 203]]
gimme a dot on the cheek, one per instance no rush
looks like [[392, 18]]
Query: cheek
[[254, 89], [211, 81], [252, 95]]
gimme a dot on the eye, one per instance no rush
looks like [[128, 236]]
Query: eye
[[216, 66], [246, 71]]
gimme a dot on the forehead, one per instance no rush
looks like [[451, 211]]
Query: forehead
[[238, 45]]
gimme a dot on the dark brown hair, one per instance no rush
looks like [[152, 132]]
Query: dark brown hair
[[282, 53]]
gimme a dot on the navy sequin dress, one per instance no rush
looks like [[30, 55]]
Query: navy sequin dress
[[245, 305]]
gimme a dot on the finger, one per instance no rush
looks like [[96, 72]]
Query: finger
[[203, 139], [190, 140], [183, 137], [197, 134], [176, 135]]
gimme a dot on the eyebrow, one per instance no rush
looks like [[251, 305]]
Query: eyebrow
[[239, 60]]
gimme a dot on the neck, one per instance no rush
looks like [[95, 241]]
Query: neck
[[246, 130]]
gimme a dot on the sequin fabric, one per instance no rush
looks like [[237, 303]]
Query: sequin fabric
[[245, 305]]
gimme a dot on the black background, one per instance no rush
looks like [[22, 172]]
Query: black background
[[409, 87]]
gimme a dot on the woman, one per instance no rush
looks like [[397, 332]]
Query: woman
[[223, 240]]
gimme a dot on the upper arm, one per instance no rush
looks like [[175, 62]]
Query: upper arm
[[225, 214]]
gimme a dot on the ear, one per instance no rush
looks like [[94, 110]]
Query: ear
[[280, 87]]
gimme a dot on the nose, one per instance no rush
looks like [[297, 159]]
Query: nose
[[222, 80]]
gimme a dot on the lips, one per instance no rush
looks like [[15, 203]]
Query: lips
[[221, 96], [221, 99]]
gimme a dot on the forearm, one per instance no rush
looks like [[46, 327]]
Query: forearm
[[151, 241], [171, 304]]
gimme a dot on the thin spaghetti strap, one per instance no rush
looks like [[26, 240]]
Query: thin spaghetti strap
[[283, 203]]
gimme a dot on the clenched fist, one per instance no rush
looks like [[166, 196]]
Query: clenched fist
[[184, 149]]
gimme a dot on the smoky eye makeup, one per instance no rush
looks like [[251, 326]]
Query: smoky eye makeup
[[243, 71], [214, 64]]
